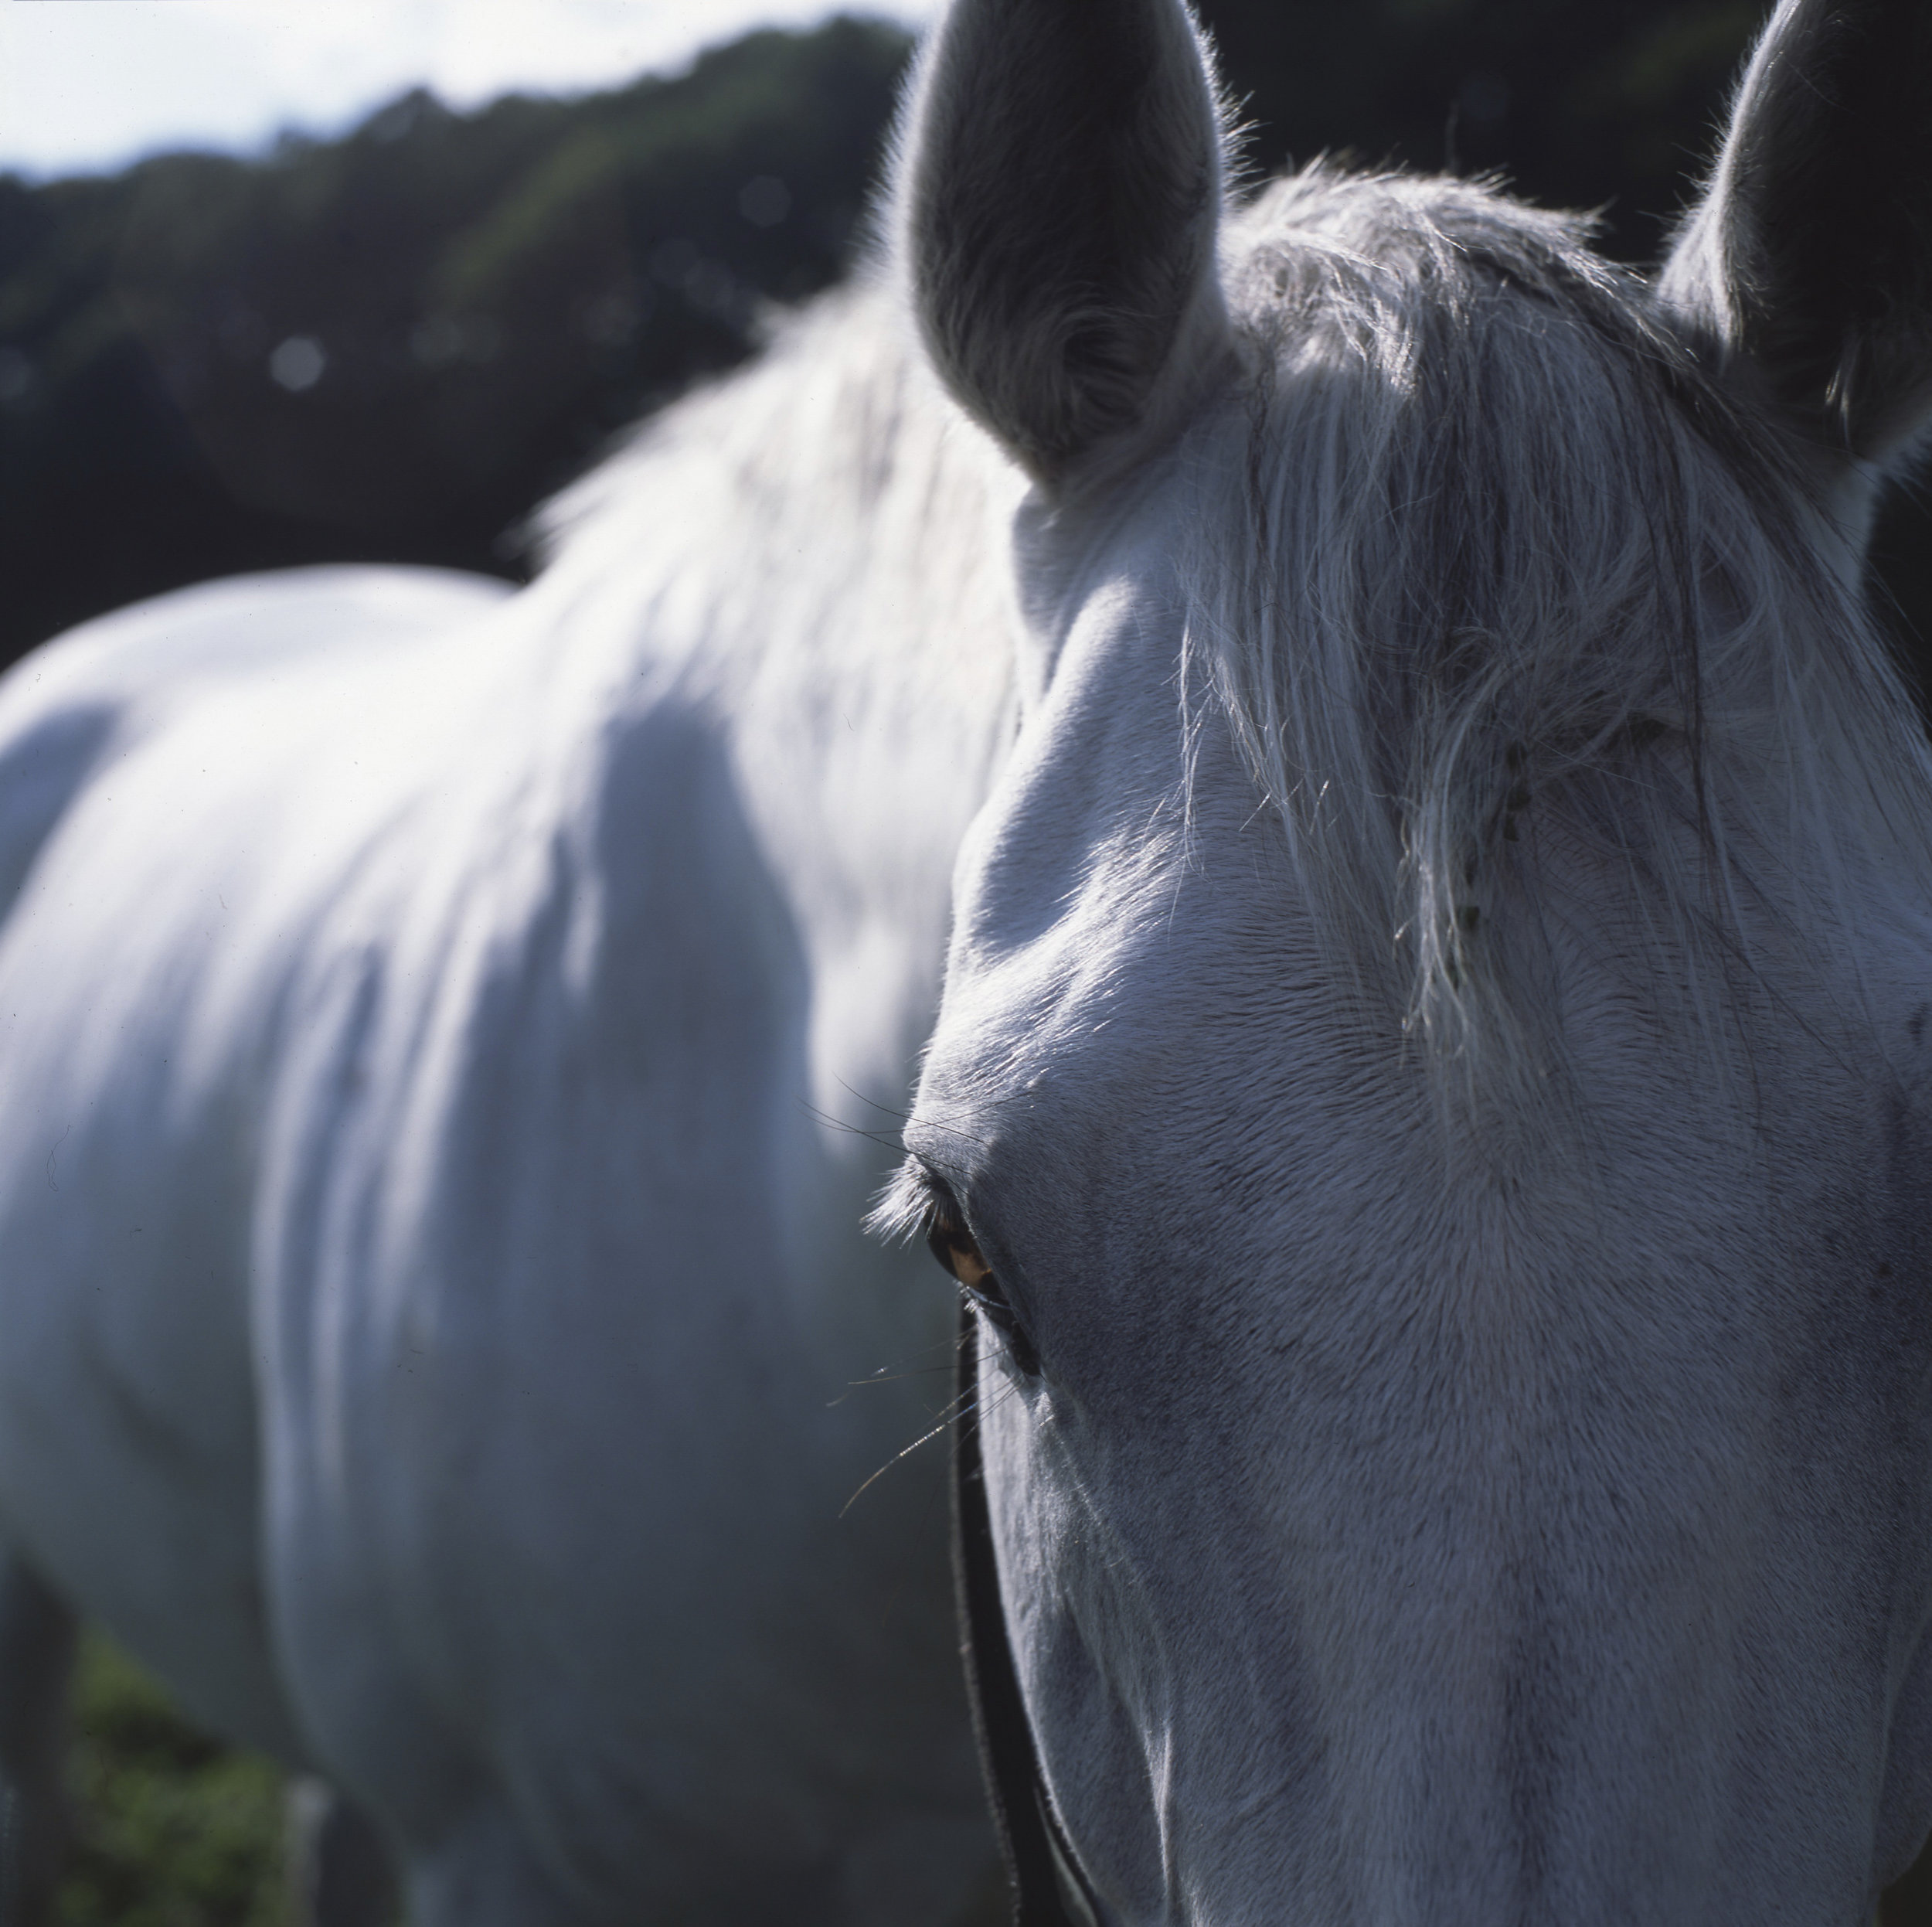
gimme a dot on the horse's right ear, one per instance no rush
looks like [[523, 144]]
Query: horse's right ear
[[1059, 198], [1810, 258]]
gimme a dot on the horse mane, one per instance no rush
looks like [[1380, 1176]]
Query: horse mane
[[828, 501], [1489, 568], [1484, 566]]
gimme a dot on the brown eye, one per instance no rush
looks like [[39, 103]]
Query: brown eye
[[956, 1251], [960, 1255]]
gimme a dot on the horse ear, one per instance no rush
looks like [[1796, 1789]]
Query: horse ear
[[1811, 255], [1060, 195]]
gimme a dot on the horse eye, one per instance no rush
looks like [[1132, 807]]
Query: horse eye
[[957, 1254]]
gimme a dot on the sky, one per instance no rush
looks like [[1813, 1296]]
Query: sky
[[91, 84]]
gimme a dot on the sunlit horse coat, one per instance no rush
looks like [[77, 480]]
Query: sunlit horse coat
[[1429, 1099]]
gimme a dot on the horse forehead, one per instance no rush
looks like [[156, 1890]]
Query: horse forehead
[[1168, 1049], [1163, 1022], [1101, 805], [1122, 869]]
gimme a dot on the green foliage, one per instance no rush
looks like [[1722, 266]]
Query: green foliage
[[172, 1828], [467, 307], [1614, 106]]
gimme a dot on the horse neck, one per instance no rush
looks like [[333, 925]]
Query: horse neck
[[815, 552]]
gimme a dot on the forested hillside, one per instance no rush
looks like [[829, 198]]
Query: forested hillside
[[391, 345]]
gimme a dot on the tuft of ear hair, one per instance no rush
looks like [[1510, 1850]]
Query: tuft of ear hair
[[1811, 253], [1060, 200]]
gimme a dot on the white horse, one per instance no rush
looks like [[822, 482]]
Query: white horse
[[1429, 1102]]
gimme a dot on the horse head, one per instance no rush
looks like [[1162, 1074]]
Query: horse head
[[1428, 1109]]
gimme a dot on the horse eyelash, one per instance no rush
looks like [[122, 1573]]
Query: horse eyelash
[[902, 1211]]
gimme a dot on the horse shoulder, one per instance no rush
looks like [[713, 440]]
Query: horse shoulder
[[618, 1280]]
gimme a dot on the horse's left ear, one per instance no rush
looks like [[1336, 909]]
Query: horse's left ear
[[1059, 197], [1811, 255]]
